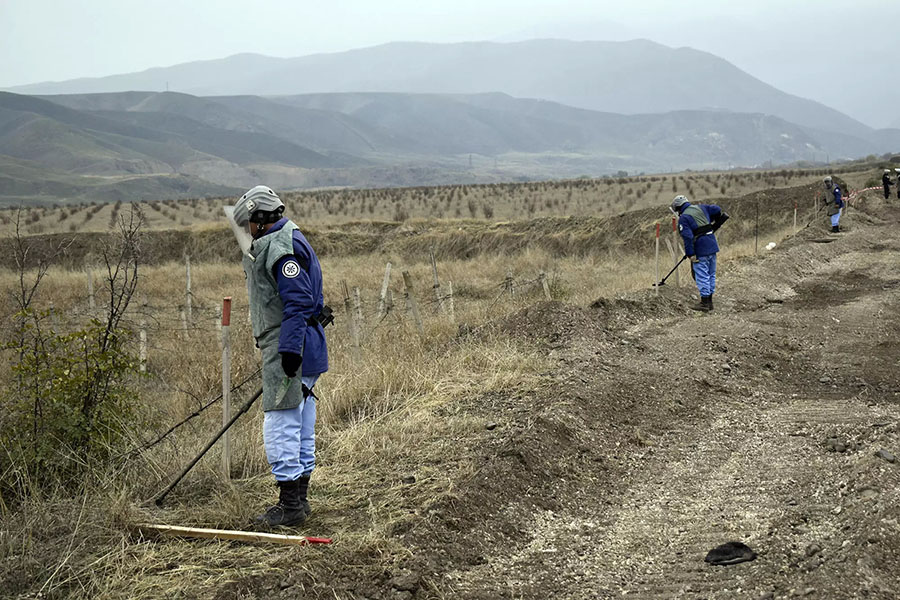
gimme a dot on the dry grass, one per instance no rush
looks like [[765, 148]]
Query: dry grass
[[400, 411]]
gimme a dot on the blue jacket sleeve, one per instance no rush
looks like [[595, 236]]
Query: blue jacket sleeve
[[837, 196], [686, 229], [299, 302]]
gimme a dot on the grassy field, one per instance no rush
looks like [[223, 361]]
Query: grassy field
[[394, 432]]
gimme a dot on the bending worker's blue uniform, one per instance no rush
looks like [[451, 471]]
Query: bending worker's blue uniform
[[835, 204], [283, 260], [697, 224]]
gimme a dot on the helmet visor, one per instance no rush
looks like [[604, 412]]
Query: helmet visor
[[240, 233]]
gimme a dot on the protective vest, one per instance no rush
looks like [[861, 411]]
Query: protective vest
[[833, 207], [266, 307], [703, 224]]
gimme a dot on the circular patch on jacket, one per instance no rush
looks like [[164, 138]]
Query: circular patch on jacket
[[290, 269]]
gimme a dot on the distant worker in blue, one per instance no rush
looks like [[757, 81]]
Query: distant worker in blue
[[886, 182], [698, 224], [288, 314], [833, 203]]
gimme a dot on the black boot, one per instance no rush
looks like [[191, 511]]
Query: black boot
[[835, 229], [710, 302], [705, 304], [292, 508]]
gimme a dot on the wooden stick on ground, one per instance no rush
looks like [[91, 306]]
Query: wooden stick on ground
[[151, 531]]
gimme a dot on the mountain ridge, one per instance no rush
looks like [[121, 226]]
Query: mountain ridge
[[633, 77]]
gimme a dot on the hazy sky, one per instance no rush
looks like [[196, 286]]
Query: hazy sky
[[790, 44]]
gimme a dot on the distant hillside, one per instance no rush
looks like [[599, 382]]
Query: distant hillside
[[168, 143], [621, 77], [26, 182]]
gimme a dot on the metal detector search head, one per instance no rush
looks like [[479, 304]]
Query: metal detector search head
[[243, 236]]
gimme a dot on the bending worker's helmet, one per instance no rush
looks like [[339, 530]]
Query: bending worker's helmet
[[677, 203], [828, 180], [260, 205]]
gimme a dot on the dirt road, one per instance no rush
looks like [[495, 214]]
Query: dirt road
[[668, 433]]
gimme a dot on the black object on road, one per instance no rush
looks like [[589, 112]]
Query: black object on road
[[731, 553]]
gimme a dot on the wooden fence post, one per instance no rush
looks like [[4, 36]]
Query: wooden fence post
[[449, 298], [508, 283], [382, 299], [188, 295], [357, 305], [142, 352], [437, 283], [414, 307], [91, 303], [225, 325], [671, 249], [795, 216], [545, 286], [351, 322]]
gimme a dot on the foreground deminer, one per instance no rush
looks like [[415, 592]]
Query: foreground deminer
[[833, 203], [698, 224], [287, 311], [886, 182]]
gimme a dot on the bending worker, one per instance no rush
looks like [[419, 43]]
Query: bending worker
[[284, 285], [697, 224], [833, 203], [886, 182]]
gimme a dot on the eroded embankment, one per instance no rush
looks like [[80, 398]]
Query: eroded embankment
[[413, 240]]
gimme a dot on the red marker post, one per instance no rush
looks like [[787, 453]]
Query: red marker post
[[675, 246], [226, 385], [657, 259]]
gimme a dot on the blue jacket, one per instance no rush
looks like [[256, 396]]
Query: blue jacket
[[300, 290], [697, 242], [837, 196]]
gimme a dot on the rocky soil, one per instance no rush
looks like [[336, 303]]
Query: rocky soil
[[663, 433]]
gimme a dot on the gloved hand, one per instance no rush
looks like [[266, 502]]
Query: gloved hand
[[290, 363], [694, 259]]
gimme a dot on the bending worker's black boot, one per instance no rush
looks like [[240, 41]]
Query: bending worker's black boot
[[705, 304], [292, 508], [835, 229]]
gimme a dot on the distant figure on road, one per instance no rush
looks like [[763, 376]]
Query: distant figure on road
[[833, 203], [697, 224], [284, 286], [898, 182], [886, 182]]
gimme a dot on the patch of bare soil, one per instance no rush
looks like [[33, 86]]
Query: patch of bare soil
[[773, 421]]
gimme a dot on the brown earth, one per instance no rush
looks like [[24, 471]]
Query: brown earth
[[663, 433]]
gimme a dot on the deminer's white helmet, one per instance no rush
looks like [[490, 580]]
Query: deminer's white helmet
[[260, 205], [828, 179], [887, 170], [679, 201]]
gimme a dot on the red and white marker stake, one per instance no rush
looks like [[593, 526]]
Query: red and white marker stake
[[226, 385]]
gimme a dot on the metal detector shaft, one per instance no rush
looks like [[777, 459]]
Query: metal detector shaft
[[159, 499], [663, 281]]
